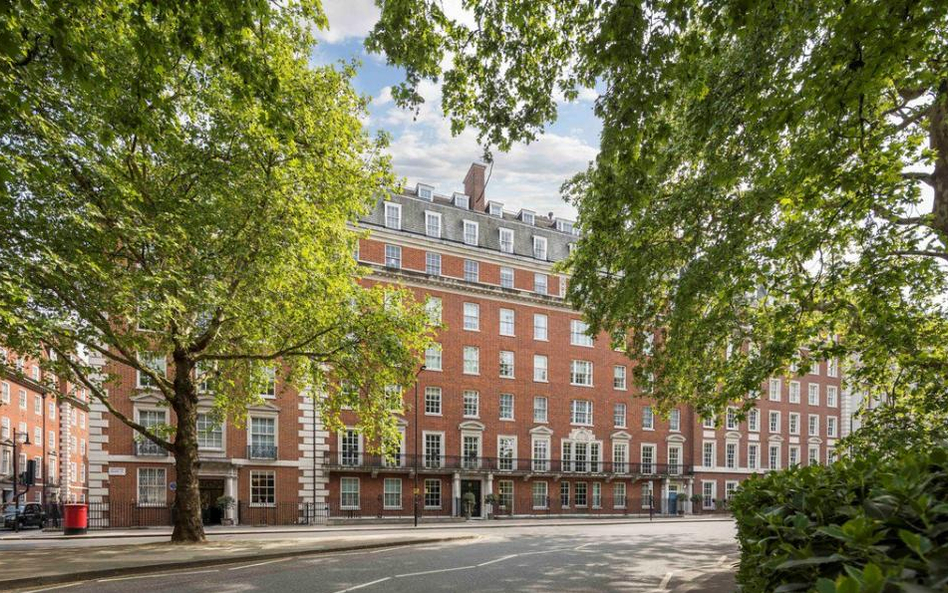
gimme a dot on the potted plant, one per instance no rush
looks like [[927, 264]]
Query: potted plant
[[696, 500], [491, 500], [224, 503], [468, 500]]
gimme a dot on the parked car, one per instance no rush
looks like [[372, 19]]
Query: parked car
[[31, 514]]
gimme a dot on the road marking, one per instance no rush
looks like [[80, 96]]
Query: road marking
[[262, 563], [55, 587], [501, 559], [663, 586], [364, 585], [580, 547], [424, 572], [152, 576]]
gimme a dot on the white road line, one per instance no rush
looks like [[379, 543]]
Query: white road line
[[663, 586], [261, 563], [580, 547], [55, 587], [424, 572], [722, 560], [501, 559], [152, 576], [364, 585]]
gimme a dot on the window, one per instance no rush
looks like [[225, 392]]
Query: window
[[470, 270], [506, 277], [539, 409], [472, 317], [4, 429], [730, 420], [775, 457], [262, 438], [432, 401], [433, 224], [150, 360], [794, 455], [22, 399], [5, 393], [425, 192], [471, 451], [540, 368], [470, 232], [37, 405], [830, 455], [506, 240], [577, 333], [51, 439], [620, 457], [707, 454], [539, 248], [37, 436], [618, 495], [774, 421], [393, 256], [392, 493], [813, 428], [506, 453], [831, 424], [151, 486], [794, 421], [471, 360], [540, 495], [707, 421], [506, 364], [581, 373], [753, 453], [730, 455], [540, 327], [730, 487], [618, 377], [433, 357], [832, 368], [349, 493], [813, 394], [648, 459], [432, 494], [471, 403], [775, 390], [210, 432], [580, 491], [434, 449], [596, 495], [832, 396], [541, 454], [581, 412], [753, 420], [648, 418], [618, 415], [432, 263], [393, 216], [564, 494], [813, 455], [674, 460], [39, 467], [350, 451], [815, 368], [794, 392], [433, 308], [540, 284], [506, 322], [269, 383], [506, 406], [674, 421], [149, 419], [647, 495]]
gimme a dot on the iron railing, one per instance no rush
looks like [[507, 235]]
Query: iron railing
[[149, 449], [258, 451]]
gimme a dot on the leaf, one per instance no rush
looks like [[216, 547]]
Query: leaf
[[812, 561]]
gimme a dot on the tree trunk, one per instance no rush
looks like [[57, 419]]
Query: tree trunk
[[188, 526], [938, 138]]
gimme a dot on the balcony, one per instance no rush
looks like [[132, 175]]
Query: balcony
[[261, 451], [149, 449], [336, 461]]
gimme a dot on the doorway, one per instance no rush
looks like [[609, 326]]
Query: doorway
[[211, 490], [474, 487]]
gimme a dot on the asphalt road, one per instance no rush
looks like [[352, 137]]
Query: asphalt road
[[630, 557]]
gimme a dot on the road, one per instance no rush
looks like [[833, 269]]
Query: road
[[630, 557]]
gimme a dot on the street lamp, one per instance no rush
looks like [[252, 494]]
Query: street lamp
[[415, 489], [16, 475]]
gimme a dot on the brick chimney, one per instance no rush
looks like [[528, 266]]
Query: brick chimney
[[474, 187]]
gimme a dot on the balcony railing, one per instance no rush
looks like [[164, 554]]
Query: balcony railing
[[261, 451], [149, 449], [501, 465]]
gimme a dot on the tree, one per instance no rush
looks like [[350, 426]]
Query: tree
[[179, 187], [772, 185]]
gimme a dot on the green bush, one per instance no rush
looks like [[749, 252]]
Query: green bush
[[872, 524]]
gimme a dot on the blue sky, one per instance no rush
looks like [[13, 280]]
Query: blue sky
[[423, 149]]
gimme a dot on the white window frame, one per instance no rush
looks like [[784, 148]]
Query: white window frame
[[344, 502], [386, 494], [619, 377], [392, 211], [540, 250], [507, 364], [541, 368], [432, 263], [541, 283], [794, 396], [505, 238], [775, 390], [620, 415], [430, 393], [575, 414], [545, 408], [436, 218], [575, 374], [507, 322], [434, 357], [162, 490], [505, 273], [578, 335], [471, 317], [709, 454], [502, 415], [470, 235], [541, 331], [393, 256]]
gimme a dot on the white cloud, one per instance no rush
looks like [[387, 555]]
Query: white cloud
[[384, 97], [348, 18]]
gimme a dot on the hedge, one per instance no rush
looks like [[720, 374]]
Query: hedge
[[875, 524]]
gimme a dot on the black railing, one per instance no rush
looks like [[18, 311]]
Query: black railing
[[149, 449], [259, 451], [434, 463], [282, 513], [391, 506]]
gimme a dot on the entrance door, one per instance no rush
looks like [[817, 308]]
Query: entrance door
[[474, 487], [211, 490], [673, 499]]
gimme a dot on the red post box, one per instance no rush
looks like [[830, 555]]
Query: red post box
[[75, 519]]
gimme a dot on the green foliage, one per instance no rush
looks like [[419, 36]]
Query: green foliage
[[761, 185], [861, 524]]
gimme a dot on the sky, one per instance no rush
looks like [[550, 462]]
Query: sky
[[423, 148]]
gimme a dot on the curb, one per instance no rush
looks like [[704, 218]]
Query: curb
[[55, 579], [368, 527]]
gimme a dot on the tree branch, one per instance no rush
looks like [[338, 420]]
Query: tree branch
[[921, 252], [926, 178]]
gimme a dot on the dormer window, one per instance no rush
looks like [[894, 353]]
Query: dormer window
[[393, 216], [539, 248], [527, 217], [495, 209], [462, 201], [506, 240], [425, 192], [564, 226], [433, 224], [470, 232]]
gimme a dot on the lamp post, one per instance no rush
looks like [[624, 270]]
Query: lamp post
[[415, 489], [16, 475]]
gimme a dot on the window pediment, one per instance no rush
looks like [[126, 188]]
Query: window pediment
[[471, 425], [675, 438], [541, 430], [621, 435], [582, 435]]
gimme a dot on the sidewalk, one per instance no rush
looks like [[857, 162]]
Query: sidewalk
[[35, 568], [165, 532]]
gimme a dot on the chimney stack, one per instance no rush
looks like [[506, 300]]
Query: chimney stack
[[474, 187]]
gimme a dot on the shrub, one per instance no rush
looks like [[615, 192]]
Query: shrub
[[870, 524]]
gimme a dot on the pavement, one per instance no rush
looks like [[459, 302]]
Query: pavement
[[572, 555]]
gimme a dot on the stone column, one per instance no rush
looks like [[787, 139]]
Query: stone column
[[489, 490], [456, 494], [230, 489]]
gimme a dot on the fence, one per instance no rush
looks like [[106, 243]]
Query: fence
[[282, 513]]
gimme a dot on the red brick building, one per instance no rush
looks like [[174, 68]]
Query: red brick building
[[517, 406]]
